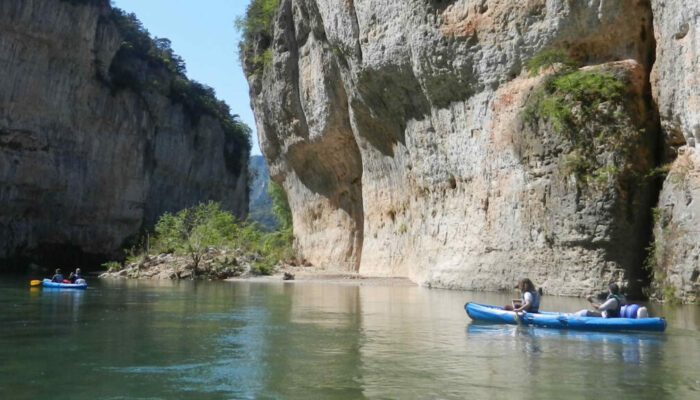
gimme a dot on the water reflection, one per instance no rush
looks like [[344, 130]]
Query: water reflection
[[141, 339], [604, 346]]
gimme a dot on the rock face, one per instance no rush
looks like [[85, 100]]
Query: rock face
[[676, 84], [396, 128], [84, 167]]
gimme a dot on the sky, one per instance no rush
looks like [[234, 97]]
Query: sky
[[202, 32]]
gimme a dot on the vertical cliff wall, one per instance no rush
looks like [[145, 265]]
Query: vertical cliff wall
[[676, 83], [85, 164], [413, 142]]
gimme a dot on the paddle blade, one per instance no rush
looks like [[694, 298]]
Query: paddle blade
[[35, 282]]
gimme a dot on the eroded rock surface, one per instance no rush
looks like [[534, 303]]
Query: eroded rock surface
[[676, 84], [84, 166], [396, 129]]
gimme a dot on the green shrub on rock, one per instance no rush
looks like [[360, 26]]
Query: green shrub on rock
[[256, 30], [205, 231], [556, 59], [589, 108]]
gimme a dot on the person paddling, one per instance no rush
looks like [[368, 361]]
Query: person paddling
[[74, 276], [58, 277], [610, 308], [530, 301]]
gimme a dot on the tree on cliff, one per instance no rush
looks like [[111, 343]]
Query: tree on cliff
[[145, 64]]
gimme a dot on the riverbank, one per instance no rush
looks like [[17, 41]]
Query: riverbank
[[218, 264]]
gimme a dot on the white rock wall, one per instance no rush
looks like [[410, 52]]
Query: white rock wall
[[410, 112], [676, 84]]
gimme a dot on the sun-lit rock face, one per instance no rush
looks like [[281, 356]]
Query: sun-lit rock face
[[397, 129], [675, 82], [83, 167]]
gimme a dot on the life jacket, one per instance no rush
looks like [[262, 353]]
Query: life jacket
[[57, 278], [615, 313], [535, 304]]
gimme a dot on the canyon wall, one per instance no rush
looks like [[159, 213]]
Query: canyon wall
[[85, 165], [413, 141], [676, 85]]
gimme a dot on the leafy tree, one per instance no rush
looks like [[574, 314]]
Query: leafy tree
[[280, 205], [258, 19], [193, 230], [257, 27]]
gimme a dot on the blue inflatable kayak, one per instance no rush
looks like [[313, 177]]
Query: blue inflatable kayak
[[47, 283], [494, 314]]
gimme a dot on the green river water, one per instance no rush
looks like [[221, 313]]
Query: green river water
[[304, 340]]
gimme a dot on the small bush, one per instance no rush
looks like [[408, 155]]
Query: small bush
[[258, 19], [650, 262], [575, 163], [600, 177], [584, 90], [669, 293], [112, 266], [257, 27], [549, 59], [656, 214], [262, 268], [659, 172]]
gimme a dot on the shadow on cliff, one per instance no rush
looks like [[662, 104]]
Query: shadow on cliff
[[46, 257]]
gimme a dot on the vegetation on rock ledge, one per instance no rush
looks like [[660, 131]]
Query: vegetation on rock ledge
[[206, 232], [146, 64], [257, 27], [588, 107]]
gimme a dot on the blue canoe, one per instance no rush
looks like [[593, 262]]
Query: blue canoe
[[494, 314], [47, 283]]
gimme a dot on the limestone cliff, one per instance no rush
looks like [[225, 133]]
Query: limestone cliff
[[85, 163], [676, 84], [401, 134]]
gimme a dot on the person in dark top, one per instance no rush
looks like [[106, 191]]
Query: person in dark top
[[608, 309], [612, 305], [58, 277], [74, 276]]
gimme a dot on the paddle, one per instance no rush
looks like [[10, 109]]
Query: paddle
[[35, 282]]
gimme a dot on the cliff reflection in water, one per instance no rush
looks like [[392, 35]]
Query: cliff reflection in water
[[143, 339], [408, 342]]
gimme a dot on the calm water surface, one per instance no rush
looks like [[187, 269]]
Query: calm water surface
[[246, 340]]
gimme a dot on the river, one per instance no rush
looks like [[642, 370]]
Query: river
[[315, 340]]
